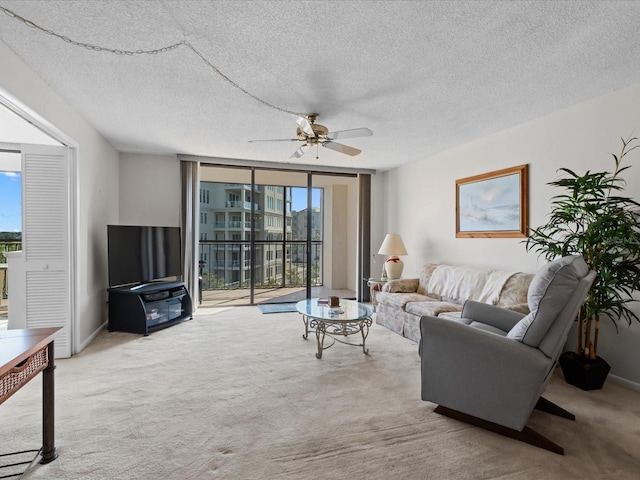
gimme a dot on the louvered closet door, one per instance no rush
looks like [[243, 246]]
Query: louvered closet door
[[45, 241]]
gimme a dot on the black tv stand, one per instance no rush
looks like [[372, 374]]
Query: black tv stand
[[148, 307]]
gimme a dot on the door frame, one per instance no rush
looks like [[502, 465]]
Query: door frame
[[19, 108]]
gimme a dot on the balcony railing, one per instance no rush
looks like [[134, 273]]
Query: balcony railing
[[235, 186], [235, 225], [8, 246], [238, 204], [227, 264]]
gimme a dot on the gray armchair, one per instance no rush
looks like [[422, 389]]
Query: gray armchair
[[491, 367]]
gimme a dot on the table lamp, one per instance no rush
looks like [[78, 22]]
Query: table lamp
[[393, 246]]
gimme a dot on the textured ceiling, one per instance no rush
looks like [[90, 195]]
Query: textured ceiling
[[424, 76]]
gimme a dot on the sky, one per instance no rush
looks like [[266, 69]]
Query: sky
[[10, 202], [299, 198]]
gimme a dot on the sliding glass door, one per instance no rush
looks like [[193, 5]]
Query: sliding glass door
[[260, 241], [307, 221]]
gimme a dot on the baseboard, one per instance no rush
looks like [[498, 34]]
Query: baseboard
[[91, 337], [624, 382]]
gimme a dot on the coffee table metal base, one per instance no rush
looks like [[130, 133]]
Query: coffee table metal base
[[337, 330]]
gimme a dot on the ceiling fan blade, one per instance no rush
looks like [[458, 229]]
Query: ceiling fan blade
[[355, 132], [300, 152], [276, 140], [305, 126], [338, 147]]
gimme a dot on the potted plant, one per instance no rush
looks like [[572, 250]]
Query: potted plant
[[592, 218]]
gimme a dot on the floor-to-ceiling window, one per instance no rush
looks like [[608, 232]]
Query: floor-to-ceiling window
[[307, 220], [262, 235]]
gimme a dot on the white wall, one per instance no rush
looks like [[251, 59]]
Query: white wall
[[150, 190], [419, 199], [97, 180], [340, 247]]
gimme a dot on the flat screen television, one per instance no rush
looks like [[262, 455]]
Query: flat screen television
[[141, 254]]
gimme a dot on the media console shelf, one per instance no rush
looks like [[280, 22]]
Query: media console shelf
[[149, 307]]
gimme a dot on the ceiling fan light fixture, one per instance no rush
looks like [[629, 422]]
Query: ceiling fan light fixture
[[306, 124], [311, 133]]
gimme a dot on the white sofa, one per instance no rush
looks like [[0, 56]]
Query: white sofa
[[441, 290]]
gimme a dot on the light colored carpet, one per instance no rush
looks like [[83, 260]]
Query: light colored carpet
[[240, 395]]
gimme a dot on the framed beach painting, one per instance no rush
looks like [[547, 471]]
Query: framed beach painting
[[493, 204]]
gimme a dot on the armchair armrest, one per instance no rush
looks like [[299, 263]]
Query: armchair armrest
[[498, 317], [522, 308], [402, 285], [463, 367]]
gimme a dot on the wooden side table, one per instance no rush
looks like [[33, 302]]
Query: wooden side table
[[375, 285], [23, 355]]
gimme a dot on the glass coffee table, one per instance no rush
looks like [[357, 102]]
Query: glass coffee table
[[350, 318]]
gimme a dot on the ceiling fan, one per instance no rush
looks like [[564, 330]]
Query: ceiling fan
[[311, 133]]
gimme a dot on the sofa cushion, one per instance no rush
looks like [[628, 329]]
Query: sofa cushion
[[451, 315], [459, 283], [522, 308], [402, 285], [399, 300], [425, 275], [548, 293], [514, 293], [432, 308]]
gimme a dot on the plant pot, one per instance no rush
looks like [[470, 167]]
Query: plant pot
[[583, 372]]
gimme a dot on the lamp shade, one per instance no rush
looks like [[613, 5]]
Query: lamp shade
[[392, 245]]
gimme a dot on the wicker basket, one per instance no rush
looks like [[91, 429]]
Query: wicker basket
[[19, 375]]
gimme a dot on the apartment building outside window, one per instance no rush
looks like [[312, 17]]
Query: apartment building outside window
[[271, 212]]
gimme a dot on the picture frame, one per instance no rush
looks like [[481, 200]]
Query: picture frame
[[493, 204]]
